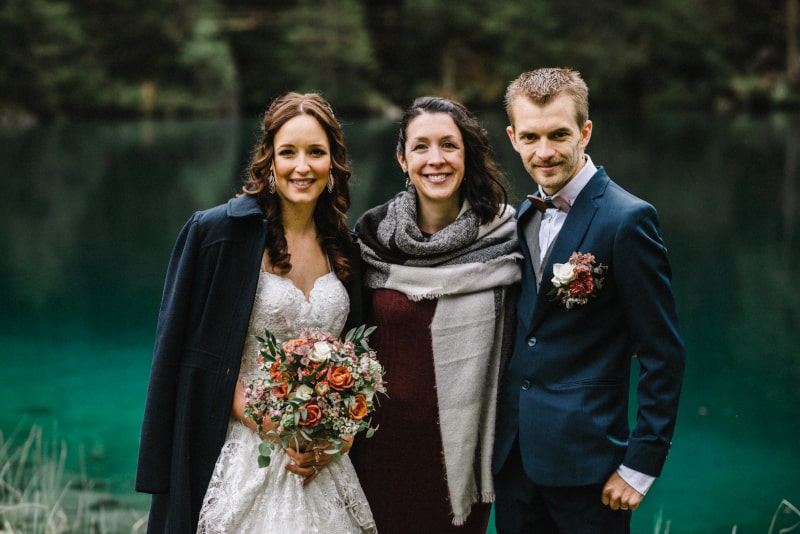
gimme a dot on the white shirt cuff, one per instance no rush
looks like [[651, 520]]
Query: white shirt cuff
[[638, 481]]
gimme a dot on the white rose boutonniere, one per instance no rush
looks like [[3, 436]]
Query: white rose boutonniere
[[563, 274], [576, 281]]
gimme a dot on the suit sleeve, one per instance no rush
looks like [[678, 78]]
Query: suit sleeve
[[644, 277], [155, 448]]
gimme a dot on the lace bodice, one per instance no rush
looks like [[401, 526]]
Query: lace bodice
[[283, 309], [242, 497]]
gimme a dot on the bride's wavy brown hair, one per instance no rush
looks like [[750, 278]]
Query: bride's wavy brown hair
[[330, 213]]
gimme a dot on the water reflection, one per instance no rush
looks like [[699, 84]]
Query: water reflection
[[90, 211]]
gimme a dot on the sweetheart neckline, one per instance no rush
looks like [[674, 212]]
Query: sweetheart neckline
[[307, 298]]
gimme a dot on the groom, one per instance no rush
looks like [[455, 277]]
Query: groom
[[595, 293]]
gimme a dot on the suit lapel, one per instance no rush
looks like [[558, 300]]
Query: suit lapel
[[570, 237], [531, 233], [527, 232]]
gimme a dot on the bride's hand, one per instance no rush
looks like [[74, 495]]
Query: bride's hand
[[310, 462]]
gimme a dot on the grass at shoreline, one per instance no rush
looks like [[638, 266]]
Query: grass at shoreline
[[37, 496]]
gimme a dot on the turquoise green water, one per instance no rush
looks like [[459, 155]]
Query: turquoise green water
[[89, 213]]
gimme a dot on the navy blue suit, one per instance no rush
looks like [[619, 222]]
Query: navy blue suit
[[564, 392]]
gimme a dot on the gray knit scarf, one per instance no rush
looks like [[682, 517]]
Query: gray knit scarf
[[468, 267]]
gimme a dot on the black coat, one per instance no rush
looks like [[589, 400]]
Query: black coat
[[205, 311]]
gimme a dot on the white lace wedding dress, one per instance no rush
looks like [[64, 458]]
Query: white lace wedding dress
[[244, 498]]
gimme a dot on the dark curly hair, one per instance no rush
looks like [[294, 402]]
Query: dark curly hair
[[484, 183], [330, 213]]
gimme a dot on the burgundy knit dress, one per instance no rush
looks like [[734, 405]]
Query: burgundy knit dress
[[401, 468]]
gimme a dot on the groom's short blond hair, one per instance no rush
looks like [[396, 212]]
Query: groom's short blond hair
[[542, 85]]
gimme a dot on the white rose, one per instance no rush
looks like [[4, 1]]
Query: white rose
[[563, 274], [321, 352], [304, 392]]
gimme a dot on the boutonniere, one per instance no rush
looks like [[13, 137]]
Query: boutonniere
[[577, 280]]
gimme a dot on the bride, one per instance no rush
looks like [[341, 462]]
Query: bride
[[278, 258]]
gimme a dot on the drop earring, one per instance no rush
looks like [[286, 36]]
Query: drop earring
[[271, 184], [330, 180]]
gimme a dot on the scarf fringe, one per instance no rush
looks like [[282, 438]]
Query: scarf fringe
[[486, 497], [459, 520], [424, 296]]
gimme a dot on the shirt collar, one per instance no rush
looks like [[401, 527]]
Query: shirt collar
[[576, 185]]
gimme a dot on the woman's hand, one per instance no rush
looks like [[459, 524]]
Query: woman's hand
[[312, 459]]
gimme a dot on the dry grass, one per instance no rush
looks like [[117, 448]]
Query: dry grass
[[37, 496], [785, 520]]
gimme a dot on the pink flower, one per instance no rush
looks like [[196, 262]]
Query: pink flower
[[581, 288]]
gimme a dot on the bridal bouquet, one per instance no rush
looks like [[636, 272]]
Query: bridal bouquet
[[316, 389]]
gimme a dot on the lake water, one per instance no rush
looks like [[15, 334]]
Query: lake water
[[89, 213]]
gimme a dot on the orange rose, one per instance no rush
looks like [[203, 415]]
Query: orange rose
[[340, 378], [275, 373], [358, 408], [280, 391], [313, 414]]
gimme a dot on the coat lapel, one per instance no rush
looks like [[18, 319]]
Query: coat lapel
[[244, 206], [570, 237]]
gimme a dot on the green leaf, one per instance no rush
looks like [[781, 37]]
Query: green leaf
[[349, 335], [264, 451], [369, 331], [265, 447]]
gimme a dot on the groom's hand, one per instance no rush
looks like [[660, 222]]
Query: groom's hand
[[619, 495]]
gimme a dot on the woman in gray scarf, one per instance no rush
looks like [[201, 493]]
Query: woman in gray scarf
[[440, 260]]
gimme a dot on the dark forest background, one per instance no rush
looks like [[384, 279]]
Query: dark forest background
[[67, 59]]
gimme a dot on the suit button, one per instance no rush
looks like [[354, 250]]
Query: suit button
[[526, 385], [532, 342]]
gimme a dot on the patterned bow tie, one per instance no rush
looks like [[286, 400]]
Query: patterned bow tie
[[541, 204]]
